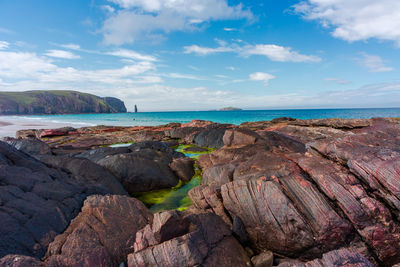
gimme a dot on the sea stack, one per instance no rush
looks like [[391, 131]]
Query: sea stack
[[136, 109]]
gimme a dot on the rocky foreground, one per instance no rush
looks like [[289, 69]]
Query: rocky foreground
[[284, 192]]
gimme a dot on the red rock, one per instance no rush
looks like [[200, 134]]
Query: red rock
[[240, 137], [183, 168], [208, 198], [336, 258], [368, 215], [197, 123], [270, 218], [56, 132], [100, 234], [207, 241]]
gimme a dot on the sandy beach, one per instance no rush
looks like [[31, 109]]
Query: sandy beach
[[9, 125]]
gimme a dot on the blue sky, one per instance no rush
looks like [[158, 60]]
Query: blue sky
[[206, 54]]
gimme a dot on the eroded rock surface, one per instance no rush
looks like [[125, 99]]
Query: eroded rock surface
[[175, 239], [304, 188], [336, 258], [101, 234], [36, 202]]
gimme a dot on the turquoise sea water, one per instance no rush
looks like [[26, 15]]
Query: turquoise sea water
[[233, 117]]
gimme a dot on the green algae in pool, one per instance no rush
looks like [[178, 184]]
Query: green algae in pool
[[185, 149], [176, 197]]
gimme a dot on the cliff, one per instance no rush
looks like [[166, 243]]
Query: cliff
[[57, 102]]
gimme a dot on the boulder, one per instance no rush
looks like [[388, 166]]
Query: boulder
[[201, 240], [87, 172], [143, 166], [183, 168], [210, 137], [31, 146], [218, 174], [37, 202], [240, 137], [141, 171], [98, 154], [101, 234], [182, 133]]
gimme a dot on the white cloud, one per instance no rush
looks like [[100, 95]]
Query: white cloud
[[61, 54], [273, 52], [374, 63], [126, 53], [71, 46], [183, 76], [231, 68], [337, 80], [261, 76], [17, 65], [230, 29], [278, 53], [35, 69], [108, 8], [4, 45], [199, 50], [355, 20], [149, 18]]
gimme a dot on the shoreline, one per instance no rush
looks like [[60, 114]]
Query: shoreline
[[9, 126]]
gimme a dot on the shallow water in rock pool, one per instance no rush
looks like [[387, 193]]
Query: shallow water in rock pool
[[176, 197]]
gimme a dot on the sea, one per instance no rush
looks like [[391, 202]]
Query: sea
[[231, 117]]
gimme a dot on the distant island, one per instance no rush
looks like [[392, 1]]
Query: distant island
[[230, 109], [57, 102]]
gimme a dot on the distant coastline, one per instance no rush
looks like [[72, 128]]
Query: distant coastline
[[53, 102], [230, 109]]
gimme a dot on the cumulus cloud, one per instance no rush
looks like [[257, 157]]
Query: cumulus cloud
[[138, 18], [36, 69], [271, 51], [355, 20], [61, 54], [4, 45], [261, 76], [278, 53], [373, 63]]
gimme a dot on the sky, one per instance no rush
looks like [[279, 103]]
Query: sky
[[165, 55]]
